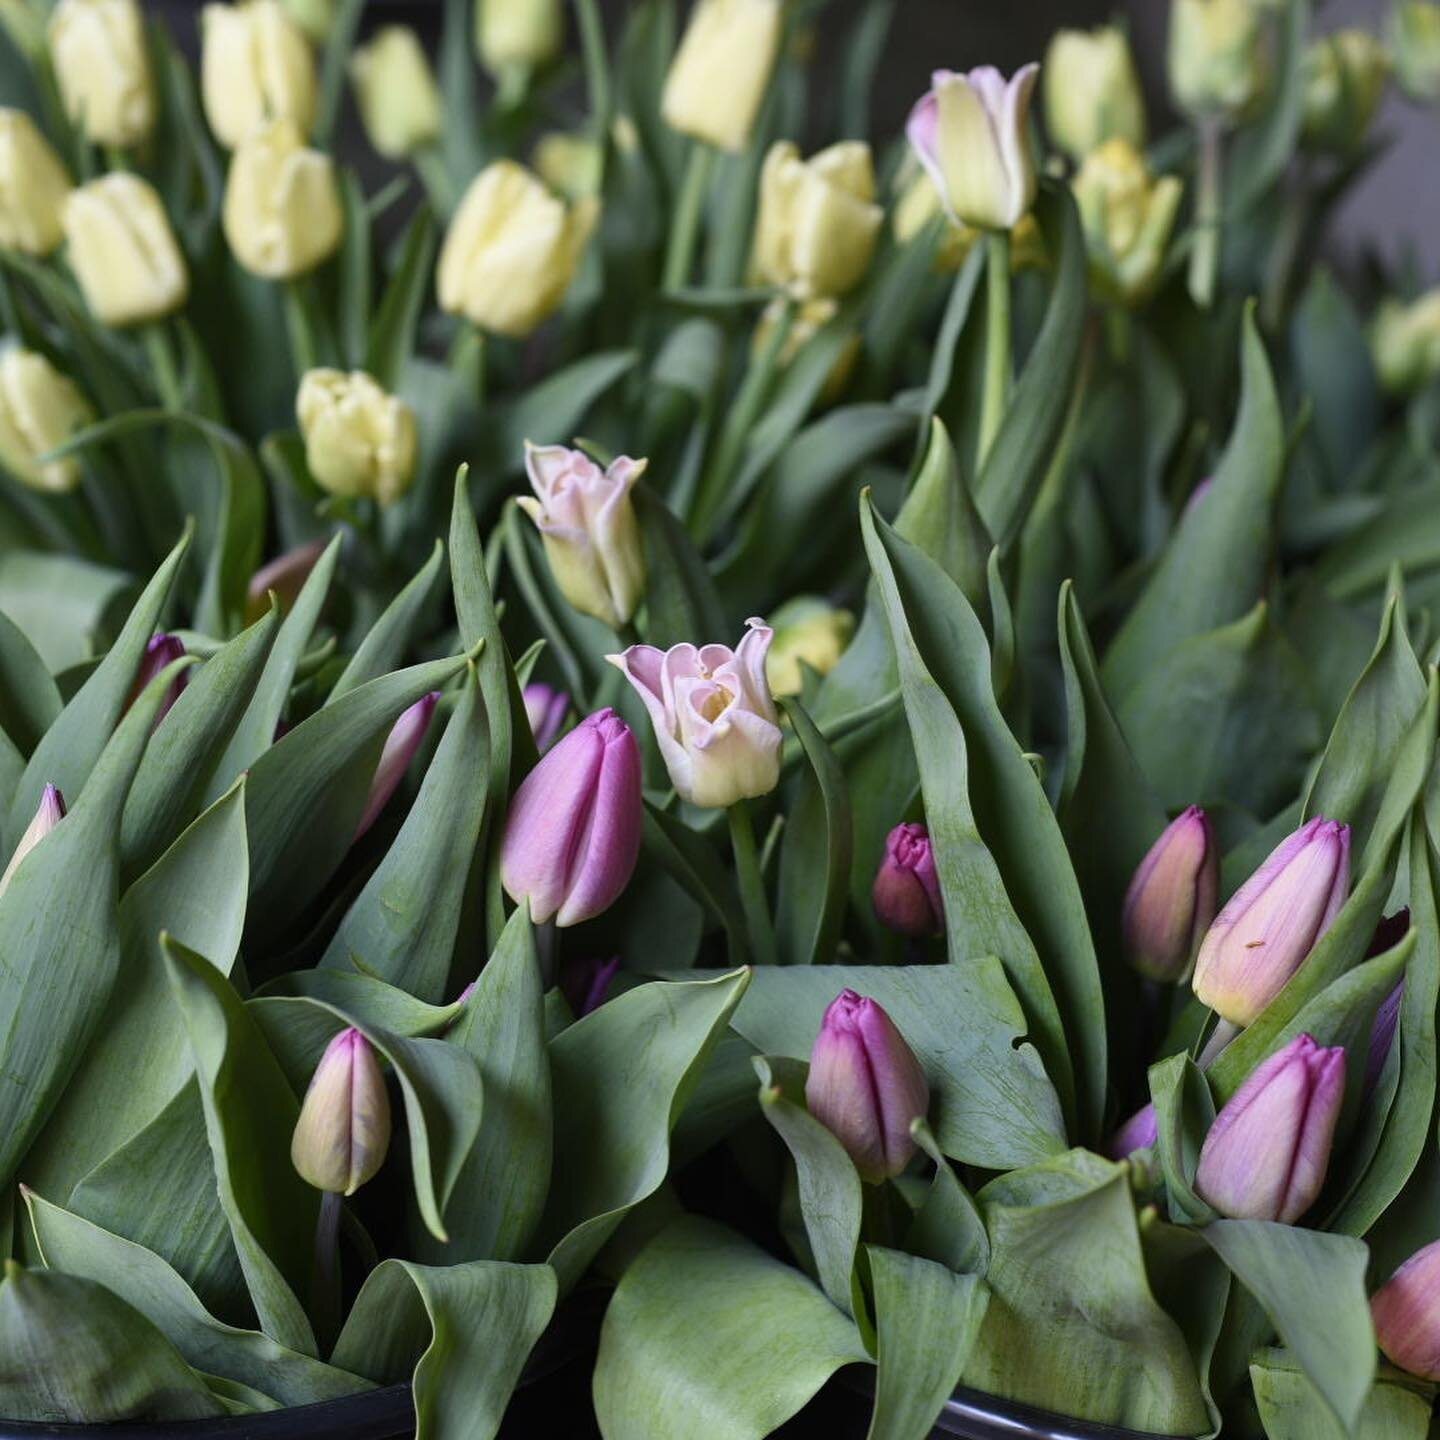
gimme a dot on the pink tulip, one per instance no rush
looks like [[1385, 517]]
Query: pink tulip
[[405, 738], [48, 815], [906, 893], [1137, 1133], [1406, 1311], [545, 708], [1173, 897]]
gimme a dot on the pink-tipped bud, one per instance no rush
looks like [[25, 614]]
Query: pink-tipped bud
[[343, 1132], [1261, 938], [405, 738], [49, 813], [1137, 1133], [1267, 1152], [585, 984], [866, 1086], [906, 893], [573, 834], [1172, 898], [285, 575], [545, 708], [1406, 1311], [160, 650]]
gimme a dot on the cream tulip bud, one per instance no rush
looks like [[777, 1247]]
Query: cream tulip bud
[[571, 165], [809, 632], [359, 441], [1217, 69], [48, 815], [1128, 217], [395, 87], [1345, 77], [343, 1131], [39, 410], [123, 251], [511, 34], [1415, 48], [1405, 341], [255, 67], [103, 69], [722, 70], [282, 212], [1092, 91], [33, 187], [818, 220], [512, 250]]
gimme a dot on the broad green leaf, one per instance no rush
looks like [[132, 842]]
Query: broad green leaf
[[549, 413], [1291, 1409], [680, 599], [952, 325], [29, 701], [1184, 1113], [947, 1227], [64, 605], [370, 1000], [391, 637], [392, 333], [1404, 533], [690, 860]]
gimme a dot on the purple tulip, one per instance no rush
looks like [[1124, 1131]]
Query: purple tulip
[[1172, 898], [1261, 938], [585, 984], [49, 813], [866, 1086], [906, 893], [1382, 1036], [404, 739], [343, 1131], [1406, 1311], [160, 650], [1266, 1154], [545, 708], [573, 833], [1137, 1133]]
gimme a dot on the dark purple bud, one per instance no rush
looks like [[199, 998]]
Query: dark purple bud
[[906, 893]]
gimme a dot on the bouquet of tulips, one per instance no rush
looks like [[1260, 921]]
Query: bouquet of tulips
[[832, 753]]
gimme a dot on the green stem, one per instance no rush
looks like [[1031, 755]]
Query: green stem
[[752, 884], [161, 354], [996, 394], [1289, 239], [430, 166], [685, 224], [300, 323], [1205, 255], [326, 1275]]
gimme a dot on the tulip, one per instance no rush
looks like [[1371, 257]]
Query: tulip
[[1345, 76], [808, 632], [1405, 342], [714, 717], [33, 187], [803, 322], [511, 251], [282, 212], [405, 738], [255, 68], [906, 893], [284, 576], [586, 983], [587, 522], [523, 34], [1128, 217], [1092, 91], [1172, 898], [102, 67], [123, 251], [1406, 1312], [161, 650], [39, 410], [573, 832], [1261, 938], [50, 813], [545, 709], [1216, 64], [315, 17], [818, 221], [969, 132], [722, 69], [395, 87], [343, 1131], [866, 1086], [571, 165], [1266, 1154], [359, 441], [920, 204], [1137, 1133], [1415, 48], [1382, 1036]]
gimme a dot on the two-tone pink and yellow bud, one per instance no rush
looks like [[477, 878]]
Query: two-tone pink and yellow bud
[[1172, 898], [48, 815], [1261, 938], [343, 1131], [906, 893], [1406, 1311], [866, 1086]]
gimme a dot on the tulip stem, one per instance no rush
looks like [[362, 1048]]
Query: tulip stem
[[752, 884], [326, 1299], [685, 225], [1205, 254], [434, 173], [996, 394], [162, 366]]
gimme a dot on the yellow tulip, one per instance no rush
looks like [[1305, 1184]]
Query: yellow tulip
[[722, 70], [359, 440], [511, 33], [1216, 64], [255, 67], [1092, 91], [1128, 217], [101, 65], [399, 100], [39, 410], [33, 187]]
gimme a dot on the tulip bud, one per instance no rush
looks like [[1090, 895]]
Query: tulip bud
[[255, 68], [39, 410], [866, 1086], [722, 69], [282, 212], [405, 738], [1405, 341], [1415, 48], [343, 1131], [1092, 91], [1172, 898], [161, 650], [511, 251], [395, 87], [33, 187], [518, 33], [545, 708], [573, 832], [1261, 938], [918, 205], [906, 893], [586, 519], [1139, 1132], [1266, 1154], [1345, 75], [285, 576], [585, 983], [1128, 217], [123, 251], [1382, 1036], [50, 813], [1216, 65], [1406, 1312], [102, 67], [804, 322], [810, 632], [970, 132], [359, 441], [714, 717], [571, 165], [818, 220]]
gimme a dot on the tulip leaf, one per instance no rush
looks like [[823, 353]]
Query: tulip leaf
[[460, 1334], [680, 599], [1291, 1408], [29, 701], [947, 1227], [705, 1324], [1406, 533], [550, 413], [1312, 1286], [373, 1001], [952, 325], [1264, 149], [621, 1076], [1184, 1113], [392, 331], [691, 862]]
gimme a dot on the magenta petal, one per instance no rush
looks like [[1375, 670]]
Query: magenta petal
[[1139, 1132], [906, 892]]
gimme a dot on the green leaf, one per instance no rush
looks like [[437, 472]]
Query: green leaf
[[1263, 150], [29, 701], [952, 325], [392, 636], [550, 412], [680, 599], [1184, 1113], [947, 1227], [63, 605], [334, 60], [1291, 1409], [392, 334], [690, 860]]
